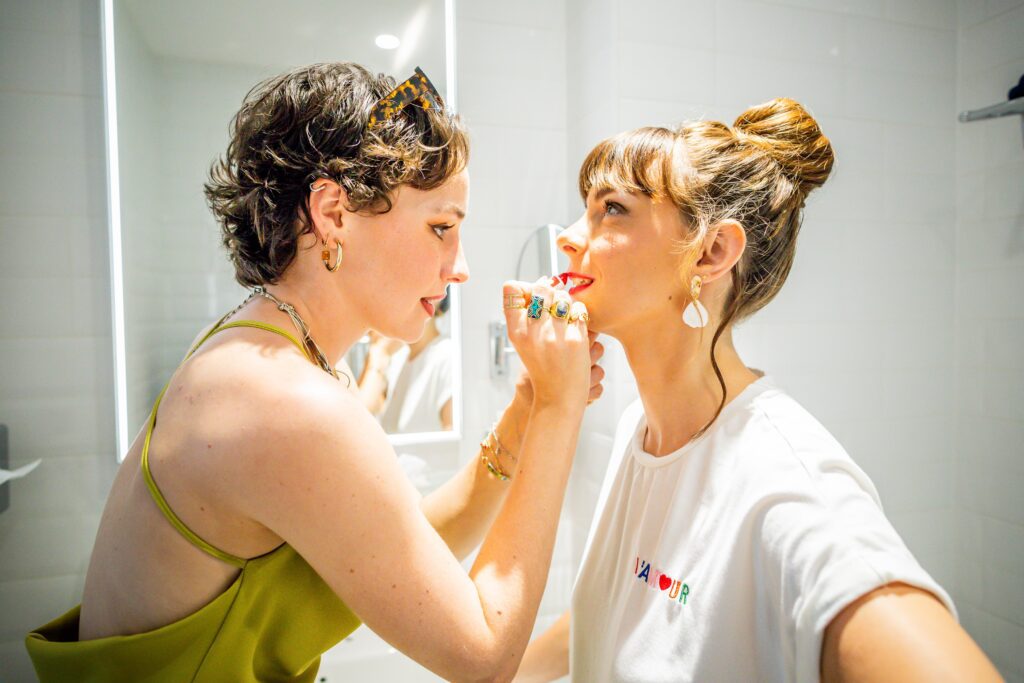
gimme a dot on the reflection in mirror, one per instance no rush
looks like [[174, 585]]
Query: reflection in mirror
[[408, 387], [539, 256], [180, 72]]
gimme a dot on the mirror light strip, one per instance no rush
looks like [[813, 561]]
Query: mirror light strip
[[451, 95], [114, 229]]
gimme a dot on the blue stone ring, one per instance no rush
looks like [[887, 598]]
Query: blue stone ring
[[536, 307], [560, 310]]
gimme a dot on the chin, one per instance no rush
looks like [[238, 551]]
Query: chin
[[415, 336], [412, 332], [595, 325], [601, 324], [407, 330]]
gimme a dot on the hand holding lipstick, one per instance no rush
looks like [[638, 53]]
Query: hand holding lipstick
[[576, 283], [525, 385], [549, 331]]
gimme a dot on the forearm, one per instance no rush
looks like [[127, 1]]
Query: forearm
[[511, 568], [547, 656], [464, 507]]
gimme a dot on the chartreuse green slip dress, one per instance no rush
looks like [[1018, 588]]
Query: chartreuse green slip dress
[[271, 624]]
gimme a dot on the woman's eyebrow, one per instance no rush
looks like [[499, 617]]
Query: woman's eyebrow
[[452, 207]]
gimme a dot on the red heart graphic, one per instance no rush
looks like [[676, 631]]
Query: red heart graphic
[[664, 582]]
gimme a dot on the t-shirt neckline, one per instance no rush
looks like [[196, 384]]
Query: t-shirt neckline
[[650, 460]]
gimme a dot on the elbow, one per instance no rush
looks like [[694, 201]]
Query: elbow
[[488, 665]]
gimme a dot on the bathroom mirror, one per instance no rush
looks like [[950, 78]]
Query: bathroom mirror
[[539, 255], [174, 75]]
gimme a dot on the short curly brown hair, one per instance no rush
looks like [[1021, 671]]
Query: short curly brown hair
[[310, 123]]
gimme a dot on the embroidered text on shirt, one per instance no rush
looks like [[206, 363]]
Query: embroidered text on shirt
[[677, 590]]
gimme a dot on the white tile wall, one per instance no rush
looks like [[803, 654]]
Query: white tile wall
[[988, 473], [56, 390]]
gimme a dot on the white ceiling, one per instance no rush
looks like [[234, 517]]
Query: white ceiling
[[281, 34]]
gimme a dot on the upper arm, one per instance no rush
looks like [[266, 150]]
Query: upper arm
[[900, 633], [822, 547], [326, 480]]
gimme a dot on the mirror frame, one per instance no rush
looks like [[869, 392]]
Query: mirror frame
[[123, 438]]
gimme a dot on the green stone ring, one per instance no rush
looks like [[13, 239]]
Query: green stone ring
[[536, 307]]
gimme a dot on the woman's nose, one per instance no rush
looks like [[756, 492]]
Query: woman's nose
[[460, 269], [572, 240]]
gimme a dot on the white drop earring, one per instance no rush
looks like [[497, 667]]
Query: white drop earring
[[695, 315]]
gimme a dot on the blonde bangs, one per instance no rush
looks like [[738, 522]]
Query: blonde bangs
[[639, 160]]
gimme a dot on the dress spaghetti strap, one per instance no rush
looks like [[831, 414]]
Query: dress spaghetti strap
[[154, 490]]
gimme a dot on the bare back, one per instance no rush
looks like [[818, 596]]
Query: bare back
[[143, 573]]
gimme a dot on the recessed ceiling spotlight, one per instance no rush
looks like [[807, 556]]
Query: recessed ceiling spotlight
[[386, 41]]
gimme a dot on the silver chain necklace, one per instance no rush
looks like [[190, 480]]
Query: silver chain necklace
[[300, 324]]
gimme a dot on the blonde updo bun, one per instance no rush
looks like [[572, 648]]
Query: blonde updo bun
[[792, 137]]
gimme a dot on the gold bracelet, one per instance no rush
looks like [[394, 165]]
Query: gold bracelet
[[500, 446], [494, 471], [487, 447], [497, 447]]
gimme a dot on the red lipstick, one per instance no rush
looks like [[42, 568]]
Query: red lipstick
[[582, 281]]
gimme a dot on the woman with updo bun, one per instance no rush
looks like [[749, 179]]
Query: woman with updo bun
[[734, 539]]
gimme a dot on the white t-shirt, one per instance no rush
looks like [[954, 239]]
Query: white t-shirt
[[418, 389], [726, 560]]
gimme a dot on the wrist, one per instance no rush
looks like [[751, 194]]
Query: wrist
[[558, 404], [523, 391], [498, 460], [519, 408], [512, 423]]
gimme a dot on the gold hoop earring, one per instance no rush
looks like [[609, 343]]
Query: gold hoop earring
[[325, 256]]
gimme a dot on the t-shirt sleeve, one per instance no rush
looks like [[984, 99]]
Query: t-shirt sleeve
[[824, 542]]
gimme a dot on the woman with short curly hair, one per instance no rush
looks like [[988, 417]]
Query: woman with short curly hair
[[261, 515]]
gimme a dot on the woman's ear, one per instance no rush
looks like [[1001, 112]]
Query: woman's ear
[[723, 247], [328, 204]]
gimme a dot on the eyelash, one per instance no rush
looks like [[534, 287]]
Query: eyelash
[[608, 204], [440, 230]]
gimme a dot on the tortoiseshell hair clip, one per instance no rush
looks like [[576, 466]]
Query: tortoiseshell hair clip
[[416, 87]]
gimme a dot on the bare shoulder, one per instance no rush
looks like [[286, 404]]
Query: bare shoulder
[[247, 407], [311, 465], [283, 422]]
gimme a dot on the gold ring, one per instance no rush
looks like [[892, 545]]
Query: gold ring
[[536, 308], [515, 301], [584, 316], [559, 310]]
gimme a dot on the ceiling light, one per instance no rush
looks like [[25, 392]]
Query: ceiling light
[[386, 41]]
